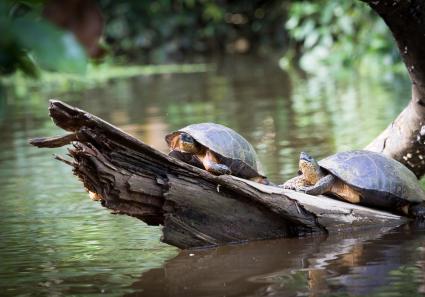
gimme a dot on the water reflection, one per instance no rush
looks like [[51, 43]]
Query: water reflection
[[54, 241], [368, 263]]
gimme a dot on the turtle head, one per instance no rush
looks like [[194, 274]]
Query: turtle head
[[309, 168], [188, 144]]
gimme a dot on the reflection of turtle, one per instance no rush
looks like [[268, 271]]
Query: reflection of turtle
[[362, 177], [216, 148]]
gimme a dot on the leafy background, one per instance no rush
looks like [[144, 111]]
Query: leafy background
[[328, 33]]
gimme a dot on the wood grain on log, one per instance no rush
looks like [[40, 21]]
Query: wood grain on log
[[195, 207]]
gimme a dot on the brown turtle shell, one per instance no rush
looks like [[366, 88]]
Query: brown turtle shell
[[382, 181], [230, 147]]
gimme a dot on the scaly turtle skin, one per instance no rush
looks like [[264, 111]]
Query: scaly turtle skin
[[362, 177], [216, 148]]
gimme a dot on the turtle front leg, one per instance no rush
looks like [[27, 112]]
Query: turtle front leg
[[324, 185], [218, 169], [295, 183], [211, 165], [187, 158]]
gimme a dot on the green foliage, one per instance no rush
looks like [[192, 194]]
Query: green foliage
[[339, 33], [323, 34], [52, 49], [29, 43], [173, 30], [331, 33]]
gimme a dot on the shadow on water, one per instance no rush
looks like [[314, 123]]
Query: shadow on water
[[373, 262]]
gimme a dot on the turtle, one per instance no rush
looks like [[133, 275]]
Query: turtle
[[217, 149], [361, 177]]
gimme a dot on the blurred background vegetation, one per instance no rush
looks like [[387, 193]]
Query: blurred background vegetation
[[66, 36]]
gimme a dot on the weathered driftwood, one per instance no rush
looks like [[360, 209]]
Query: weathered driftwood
[[404, 138], [195, 207]]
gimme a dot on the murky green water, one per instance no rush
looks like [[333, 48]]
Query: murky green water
[[54, 241]]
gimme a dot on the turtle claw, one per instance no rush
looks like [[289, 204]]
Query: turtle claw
[[302, 189], [294, 188], [287, 187], [290, 186]]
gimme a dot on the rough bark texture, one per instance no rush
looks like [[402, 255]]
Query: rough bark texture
[[404, 138], [195, 207]]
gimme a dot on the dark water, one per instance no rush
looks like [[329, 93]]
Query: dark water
[[54, 241], [380, 262]]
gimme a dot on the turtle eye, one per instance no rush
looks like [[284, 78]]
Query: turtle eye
[[300, 172]]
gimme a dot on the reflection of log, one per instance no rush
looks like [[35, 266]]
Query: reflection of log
[[354, 264], [404, 138], [195, 207]]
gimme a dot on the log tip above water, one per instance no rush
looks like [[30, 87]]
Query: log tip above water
[[64, 115]]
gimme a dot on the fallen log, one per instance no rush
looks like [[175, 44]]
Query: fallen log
[[194, 207]]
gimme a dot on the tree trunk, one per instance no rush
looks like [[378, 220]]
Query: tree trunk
[[404, 138], [195, 207]]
